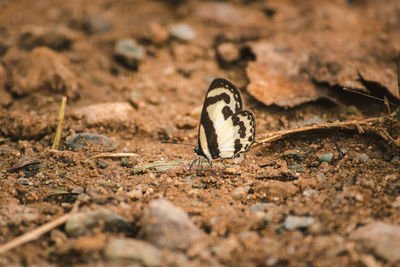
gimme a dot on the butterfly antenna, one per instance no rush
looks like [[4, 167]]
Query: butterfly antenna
[[176, 143], [367, 95]]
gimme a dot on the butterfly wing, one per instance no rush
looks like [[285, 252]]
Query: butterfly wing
[[237, 134], [221, 102]]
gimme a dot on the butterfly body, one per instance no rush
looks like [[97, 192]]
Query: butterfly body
[[225, 129]]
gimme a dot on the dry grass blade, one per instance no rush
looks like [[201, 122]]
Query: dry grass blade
[[360, 127], [60, 123], [113, 155], [37, 232]]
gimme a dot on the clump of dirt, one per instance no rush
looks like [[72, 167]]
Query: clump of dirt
[[299, 197]]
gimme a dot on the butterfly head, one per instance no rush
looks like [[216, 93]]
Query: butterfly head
[[198, 151]]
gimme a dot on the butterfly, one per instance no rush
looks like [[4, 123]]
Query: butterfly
[[225, 129]]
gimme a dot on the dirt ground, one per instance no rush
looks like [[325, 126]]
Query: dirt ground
[[300, 200]]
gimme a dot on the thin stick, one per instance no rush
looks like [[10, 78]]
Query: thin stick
[[349, 126], [113, 155], [37, 232], [60, 122]]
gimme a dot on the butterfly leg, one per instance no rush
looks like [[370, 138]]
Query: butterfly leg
[[210, 162], [192, 163], [223, 163]]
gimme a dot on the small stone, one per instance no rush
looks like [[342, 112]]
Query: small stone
[[77, 190], [44, 69], [240, 192], [23, 181], [296, 167], [102, 164], [158, 33], [395, 159], [381, 237], [128, 53], [326, 157], [363, 158], [97, 141], [234, 171], [274, 189], [310, 192], [396, 203], [168, 226], [230, 14], [320, 176], [351, 110], [196, 112], [297, 222], [182, 31], [23, 162], [186, 122], [228, 52], [96, 24], [57, 38], [105, 113], [135, 194], [311, 121], [391, 177], [82, 222], [263, 206], [128, 249]]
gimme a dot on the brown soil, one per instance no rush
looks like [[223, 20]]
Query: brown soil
[[169, 86]]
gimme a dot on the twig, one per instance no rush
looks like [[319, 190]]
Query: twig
[[37, 232], [361, 127], [113, 155], [60, 122]]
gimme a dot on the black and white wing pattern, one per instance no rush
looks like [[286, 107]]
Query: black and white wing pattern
[[225, 129]]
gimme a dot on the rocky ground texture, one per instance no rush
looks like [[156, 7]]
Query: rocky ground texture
[[135, 74]]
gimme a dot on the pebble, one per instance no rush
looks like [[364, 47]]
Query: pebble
[[234, 171], [44, 68], [100, 142], [23, 162], [228, 52], [326, 157], [182, 32], [168, 226], [395, 160], [296, 167], [297, 222], [260, 206], [196, 112], [82, 222], [187, 122], [240, 192], [390, 177], [129, 53], [227, 13], [396, 203], [96, 24], [320, 176], [135, 194], [274, 189], [105, 113], [363, 158], [24, 181], [310, 192], [128, 249], [383, 238], [57, 38], [311, 121], [158, 33]]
